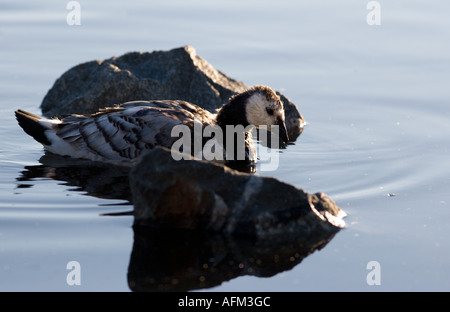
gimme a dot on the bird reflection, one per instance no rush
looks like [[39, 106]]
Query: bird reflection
[[94, 178], [177, 260]]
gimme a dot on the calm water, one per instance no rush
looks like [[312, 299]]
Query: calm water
[[376, 99]]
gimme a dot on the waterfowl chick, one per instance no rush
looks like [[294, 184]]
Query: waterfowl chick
[[124, 132]]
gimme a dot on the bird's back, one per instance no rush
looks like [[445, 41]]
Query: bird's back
[[124, 132]]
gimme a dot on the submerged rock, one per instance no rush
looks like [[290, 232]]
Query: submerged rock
[[178, 74], [197, 195]]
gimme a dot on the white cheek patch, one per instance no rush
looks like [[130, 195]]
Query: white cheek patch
[[255, 111]]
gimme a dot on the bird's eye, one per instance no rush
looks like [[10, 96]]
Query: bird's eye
[[269, 111]]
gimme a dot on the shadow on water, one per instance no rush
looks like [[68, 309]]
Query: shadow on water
[[163, 260]]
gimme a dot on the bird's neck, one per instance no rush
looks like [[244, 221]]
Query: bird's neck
[[232, 114], [232, 119]]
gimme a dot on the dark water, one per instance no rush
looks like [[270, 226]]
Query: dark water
[[376, 100]]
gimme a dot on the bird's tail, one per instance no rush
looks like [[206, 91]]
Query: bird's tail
[[31, 125]]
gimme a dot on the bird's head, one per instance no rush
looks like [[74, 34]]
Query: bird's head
[[264, 107], [258, 106]]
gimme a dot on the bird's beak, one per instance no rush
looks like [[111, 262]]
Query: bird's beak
[[282, 131]]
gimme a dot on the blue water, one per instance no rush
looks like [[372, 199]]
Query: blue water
[[376, 102]]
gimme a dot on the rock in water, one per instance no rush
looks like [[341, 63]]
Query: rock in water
[[178, 74], [198, 195]]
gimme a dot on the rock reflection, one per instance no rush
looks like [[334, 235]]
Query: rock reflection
[[177, 260]]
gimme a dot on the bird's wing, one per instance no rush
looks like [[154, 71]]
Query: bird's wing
[[199, 113], [123, 132]]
